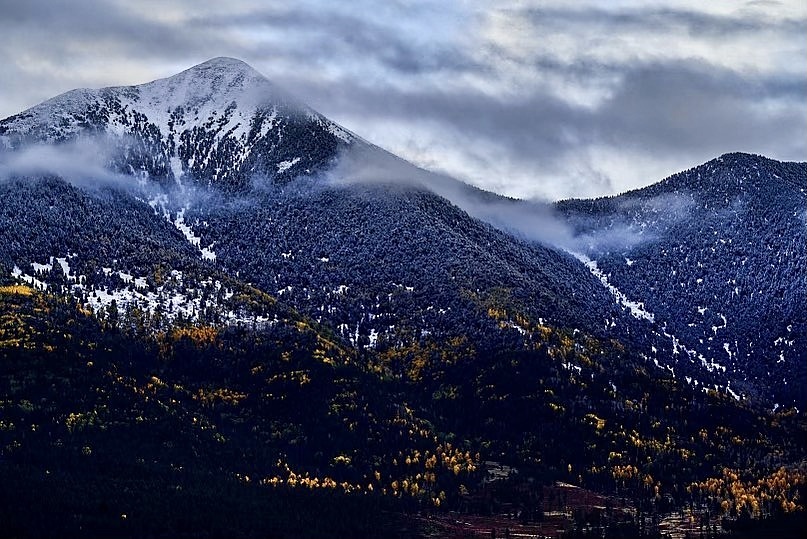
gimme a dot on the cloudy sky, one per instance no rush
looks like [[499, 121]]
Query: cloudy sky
[[535, 99]]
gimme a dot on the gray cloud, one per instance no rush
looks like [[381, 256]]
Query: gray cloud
[[694, 110], [689, 106], [654, 19], [532, 221], [83, 162], [535, 100], [334, 35], [78, 24]]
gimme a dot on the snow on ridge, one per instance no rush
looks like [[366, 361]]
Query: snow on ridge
[[51, 111], [202, 93], [38, 268], [30, 279], [208, 253], [176, 169], [173, 299], [186, 230], [725, 323], [42, 268], [160, 202], [638, 311], [339, 132], [65, 265], [224, 96]]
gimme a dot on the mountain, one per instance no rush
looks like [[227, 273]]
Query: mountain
[[223, 314], [219, 122], [718, 255], [253, 180]]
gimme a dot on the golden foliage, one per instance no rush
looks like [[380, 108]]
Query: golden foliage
[[595, 421], [17, 290], [750, 496], [415, 358], [209, 397], [201, 336]]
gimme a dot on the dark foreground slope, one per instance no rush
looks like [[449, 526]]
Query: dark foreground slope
[[108, 435], [212, 430]]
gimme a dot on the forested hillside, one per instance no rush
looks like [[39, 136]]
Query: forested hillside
[[211, 325], [718, 253]]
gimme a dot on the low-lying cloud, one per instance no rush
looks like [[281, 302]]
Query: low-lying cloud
[[530, 220], [83, 162], [92, 163], [627, 223], [617, 229], [87, 162]]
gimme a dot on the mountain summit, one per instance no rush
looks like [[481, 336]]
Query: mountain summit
[[220, 122]]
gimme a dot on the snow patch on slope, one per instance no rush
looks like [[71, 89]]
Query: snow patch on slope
[[283, 166], [207, 253], [174, 299], [636, 308]]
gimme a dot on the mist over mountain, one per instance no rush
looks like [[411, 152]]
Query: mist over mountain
[[717, 253], [229, 151], [295, 311]]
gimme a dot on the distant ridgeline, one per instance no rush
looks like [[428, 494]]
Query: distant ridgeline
[[717, 253]]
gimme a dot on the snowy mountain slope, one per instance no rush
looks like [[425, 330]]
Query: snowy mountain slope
[[717, 253], [215, 150], [209, 286], [268, 191], [115, 256], [220, 123]]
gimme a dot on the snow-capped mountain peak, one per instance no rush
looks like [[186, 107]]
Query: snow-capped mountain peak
[[205, 89], [220, 120], [210, 86]]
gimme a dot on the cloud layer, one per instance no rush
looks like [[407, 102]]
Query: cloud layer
[[527, 98], [83, 162]]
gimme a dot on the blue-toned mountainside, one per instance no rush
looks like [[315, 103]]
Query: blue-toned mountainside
[[385, 265], [250, 179], [221, 314], [717, 254]]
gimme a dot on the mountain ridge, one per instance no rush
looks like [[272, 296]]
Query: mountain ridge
[[260, 177], [717, 250], [725, 160]]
